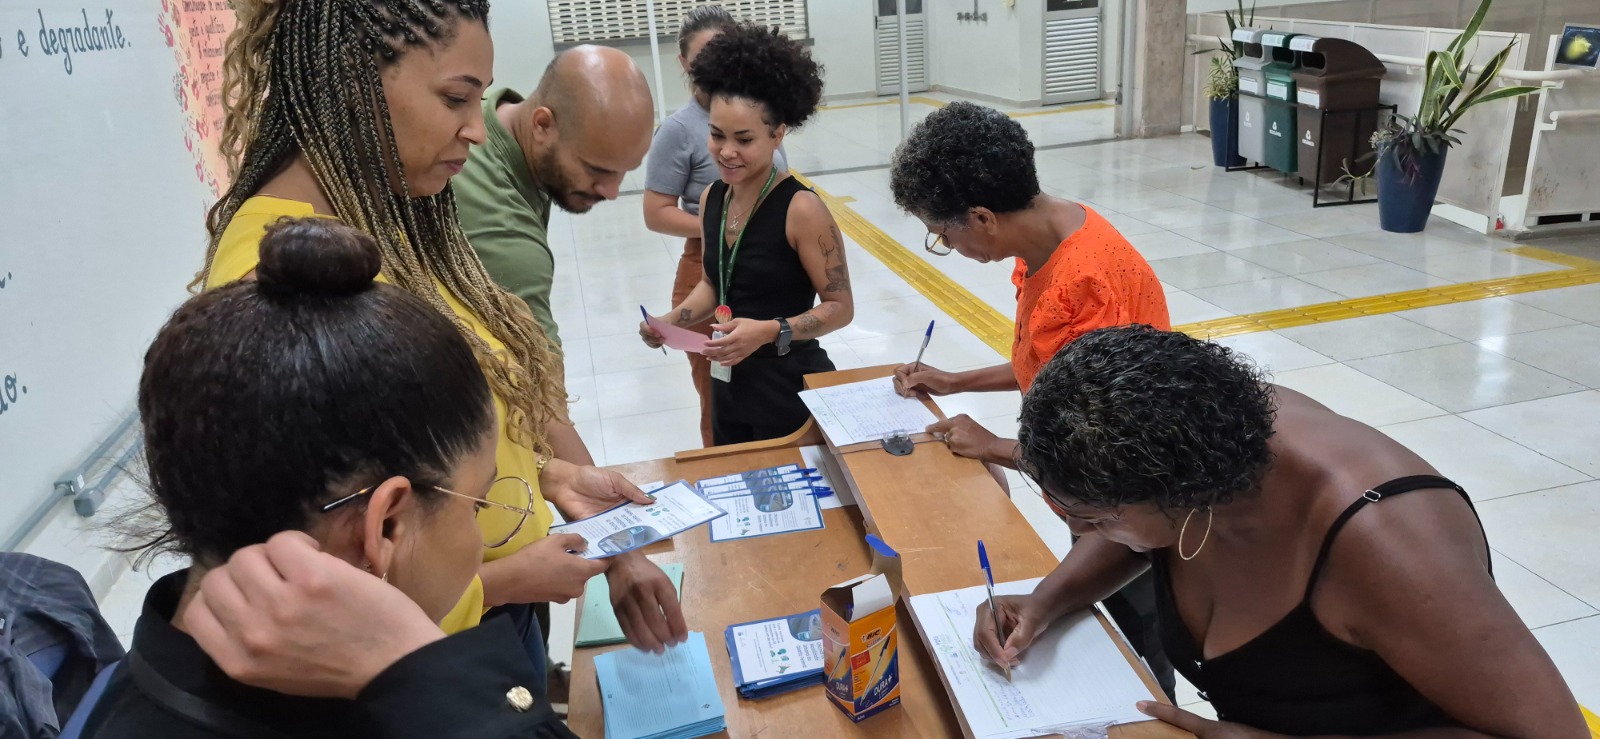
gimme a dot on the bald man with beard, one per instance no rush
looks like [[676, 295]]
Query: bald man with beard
[[569, 143]]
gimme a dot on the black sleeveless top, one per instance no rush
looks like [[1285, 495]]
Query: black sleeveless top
[[768, 279], [1295, 678]]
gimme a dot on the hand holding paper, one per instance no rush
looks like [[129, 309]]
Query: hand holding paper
[[676, 337]]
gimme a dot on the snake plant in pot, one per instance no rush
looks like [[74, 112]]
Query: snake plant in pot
[[1411, 149], [1222, 89]]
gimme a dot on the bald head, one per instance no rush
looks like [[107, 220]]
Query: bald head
[[589, 124], [586, 83]]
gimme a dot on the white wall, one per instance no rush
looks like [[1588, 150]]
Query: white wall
[[1003, 58], [841, 31]]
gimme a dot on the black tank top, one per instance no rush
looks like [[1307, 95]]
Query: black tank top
[[768, 279], [1295, 678]]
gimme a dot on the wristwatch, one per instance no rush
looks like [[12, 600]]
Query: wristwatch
[[785, 335]]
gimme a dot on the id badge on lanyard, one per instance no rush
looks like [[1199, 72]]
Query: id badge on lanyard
[[720, 371]]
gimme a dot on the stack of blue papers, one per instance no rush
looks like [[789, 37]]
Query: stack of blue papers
[[777, 655], [660, 696]]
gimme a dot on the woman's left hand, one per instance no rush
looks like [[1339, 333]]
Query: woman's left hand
[[583, 491], [741, 338], [1202, 728]]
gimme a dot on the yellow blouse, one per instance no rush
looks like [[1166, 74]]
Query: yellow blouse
[[237, 255]]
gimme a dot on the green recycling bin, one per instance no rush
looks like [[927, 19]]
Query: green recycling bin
[[1252, 87], [1281, 143], [1342, 78]]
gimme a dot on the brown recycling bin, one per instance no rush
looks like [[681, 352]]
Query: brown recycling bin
[[1340, 77]]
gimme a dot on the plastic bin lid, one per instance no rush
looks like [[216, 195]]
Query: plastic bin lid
[[1279, 39], [1330, 59]]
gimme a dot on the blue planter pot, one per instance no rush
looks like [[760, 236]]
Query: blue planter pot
[[1405, 203], [1225, 133]]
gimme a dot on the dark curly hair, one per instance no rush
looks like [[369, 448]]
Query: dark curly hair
[[1135, 415], [762, 65], [960, 157], [262, 400]]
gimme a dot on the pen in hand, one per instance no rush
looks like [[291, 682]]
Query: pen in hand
[[988, 579], [926, 336], [647, 322]]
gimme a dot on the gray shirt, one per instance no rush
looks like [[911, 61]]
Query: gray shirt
[[680, 160]]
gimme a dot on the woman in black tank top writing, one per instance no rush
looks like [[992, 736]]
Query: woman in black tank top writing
[[1313, 576], [771, 247]]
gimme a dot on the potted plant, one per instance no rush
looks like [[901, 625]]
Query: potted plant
[[1411, 149], [1222, 89]]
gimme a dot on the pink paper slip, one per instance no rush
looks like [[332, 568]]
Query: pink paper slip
[[678, 338]]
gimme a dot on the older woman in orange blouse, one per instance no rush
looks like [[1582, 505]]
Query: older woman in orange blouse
[[967, 173]]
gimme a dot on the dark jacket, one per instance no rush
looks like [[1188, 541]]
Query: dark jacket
[[456, 687], [45, 605]]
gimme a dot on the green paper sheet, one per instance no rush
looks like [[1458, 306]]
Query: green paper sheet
[[597, 625]]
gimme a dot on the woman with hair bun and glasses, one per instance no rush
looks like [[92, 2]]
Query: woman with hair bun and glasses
[[679, 169], [351, 413], [771, 248], [1313, 576]]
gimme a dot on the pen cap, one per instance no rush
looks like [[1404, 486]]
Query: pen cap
[[886, 561]]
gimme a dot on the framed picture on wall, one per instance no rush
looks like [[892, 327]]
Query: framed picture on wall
[[1579, 46]]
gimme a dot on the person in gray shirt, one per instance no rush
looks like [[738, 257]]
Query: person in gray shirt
[[678, 169]]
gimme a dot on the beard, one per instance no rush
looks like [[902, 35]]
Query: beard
[[555, 182]]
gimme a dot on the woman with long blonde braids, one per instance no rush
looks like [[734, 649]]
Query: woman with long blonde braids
[[330, 113]]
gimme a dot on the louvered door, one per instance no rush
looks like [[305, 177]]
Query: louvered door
[[888, 40], [1071, 51]]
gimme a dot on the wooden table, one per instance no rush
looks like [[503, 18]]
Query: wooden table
[[931, 506]]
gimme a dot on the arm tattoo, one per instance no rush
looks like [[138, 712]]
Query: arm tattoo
[[807, 326], [684, 317], [832, 245]]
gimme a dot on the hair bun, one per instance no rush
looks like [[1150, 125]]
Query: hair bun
[[317, 256]]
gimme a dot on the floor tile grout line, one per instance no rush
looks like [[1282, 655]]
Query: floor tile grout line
[[1547, 581], [1463, 416]]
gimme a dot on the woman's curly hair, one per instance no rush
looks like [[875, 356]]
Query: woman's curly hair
[[763, 65], [960, 157], [1135, 415]]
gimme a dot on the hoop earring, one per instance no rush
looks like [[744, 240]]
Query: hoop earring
[[1203, 539]]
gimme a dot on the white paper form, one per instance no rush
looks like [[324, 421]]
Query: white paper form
[[865, 411], [1072, 680], [630, 526]]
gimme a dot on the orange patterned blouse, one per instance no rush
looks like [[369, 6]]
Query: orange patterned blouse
[[1095, 279]]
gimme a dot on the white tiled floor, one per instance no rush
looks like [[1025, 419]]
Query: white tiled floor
[[1500, 394]]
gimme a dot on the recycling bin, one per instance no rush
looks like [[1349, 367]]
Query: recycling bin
[[1342, 78], [1279, 142], [1252, 87]]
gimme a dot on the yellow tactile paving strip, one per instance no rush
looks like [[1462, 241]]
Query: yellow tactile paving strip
[[995, 329]]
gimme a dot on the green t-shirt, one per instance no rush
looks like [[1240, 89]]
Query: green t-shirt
[[506, 215]]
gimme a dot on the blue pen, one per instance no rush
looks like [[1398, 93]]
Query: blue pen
[[926, 337], [646, 315], [988, 578]]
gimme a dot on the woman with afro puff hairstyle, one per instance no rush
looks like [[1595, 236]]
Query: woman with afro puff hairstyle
[[771, 246]]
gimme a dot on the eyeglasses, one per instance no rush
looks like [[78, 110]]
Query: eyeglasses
[[501, 514], [1062, 510], [937, 245]]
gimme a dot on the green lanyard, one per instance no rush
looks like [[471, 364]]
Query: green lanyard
[[728, 257]]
